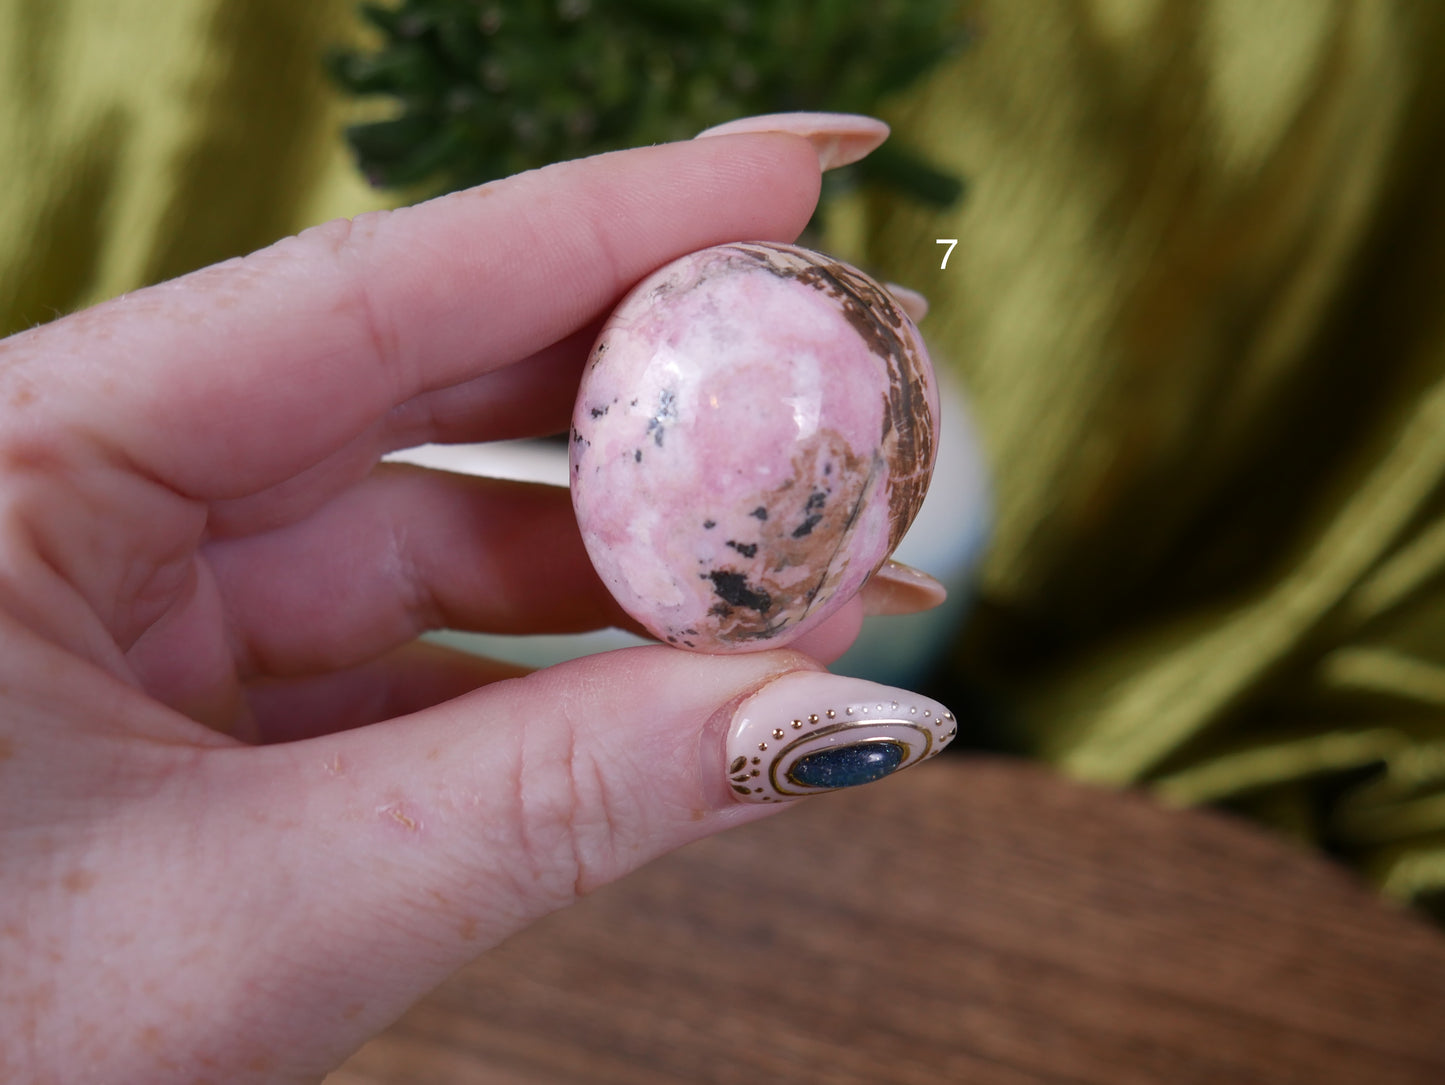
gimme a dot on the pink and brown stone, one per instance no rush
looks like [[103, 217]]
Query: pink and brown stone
[[754, 433]]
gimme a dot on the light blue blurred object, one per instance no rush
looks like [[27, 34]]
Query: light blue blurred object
[[946, 541]]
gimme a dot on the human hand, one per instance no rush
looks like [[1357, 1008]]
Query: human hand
[[245, 817]]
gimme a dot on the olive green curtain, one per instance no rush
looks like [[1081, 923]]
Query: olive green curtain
[[1196, 298], [141, 139], [1199, 299]]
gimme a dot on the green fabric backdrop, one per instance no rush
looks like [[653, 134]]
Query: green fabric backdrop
[[1197, 298]]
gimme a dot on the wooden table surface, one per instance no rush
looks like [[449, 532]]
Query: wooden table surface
[[972, 920]]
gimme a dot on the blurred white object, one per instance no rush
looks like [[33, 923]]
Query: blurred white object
[[946, 541]]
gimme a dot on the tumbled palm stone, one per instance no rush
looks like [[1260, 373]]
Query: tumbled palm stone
[[754, 433]]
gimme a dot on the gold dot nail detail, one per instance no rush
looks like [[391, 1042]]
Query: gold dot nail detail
[[855, 732]]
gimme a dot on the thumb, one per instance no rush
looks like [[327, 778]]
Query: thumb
[[411, 846]]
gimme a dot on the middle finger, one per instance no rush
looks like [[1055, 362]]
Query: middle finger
[[406, 551]]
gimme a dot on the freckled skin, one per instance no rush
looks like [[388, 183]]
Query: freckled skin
[[753, 435]]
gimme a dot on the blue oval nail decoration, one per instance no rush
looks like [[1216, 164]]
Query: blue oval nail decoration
[[848, 766], [810, 732]]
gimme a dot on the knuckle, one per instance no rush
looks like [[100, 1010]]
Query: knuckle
[[349, 246], [568, 819]]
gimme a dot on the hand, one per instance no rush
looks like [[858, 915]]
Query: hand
[[245, 817]]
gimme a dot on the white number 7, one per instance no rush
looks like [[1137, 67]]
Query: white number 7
[[950, 242]]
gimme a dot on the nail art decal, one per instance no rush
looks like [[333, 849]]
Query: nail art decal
[[810, 732]]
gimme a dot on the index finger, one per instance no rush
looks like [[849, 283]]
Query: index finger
[[236, 377]]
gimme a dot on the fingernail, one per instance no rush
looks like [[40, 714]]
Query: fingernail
[[839, 138], [910, 301], [810, 732], [901, 589]]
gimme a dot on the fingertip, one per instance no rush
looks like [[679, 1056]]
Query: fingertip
[[901, 589], [836, 634], [783, 164]]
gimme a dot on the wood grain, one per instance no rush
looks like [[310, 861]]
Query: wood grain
[[973, 920]]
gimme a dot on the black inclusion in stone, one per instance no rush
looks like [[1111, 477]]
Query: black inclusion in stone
[[733, 588], [848, 766], [816, 500]]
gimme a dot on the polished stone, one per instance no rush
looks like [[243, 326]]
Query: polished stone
[[848, 766], [753, 434]]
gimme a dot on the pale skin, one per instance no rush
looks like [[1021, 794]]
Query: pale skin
[[245, 820]]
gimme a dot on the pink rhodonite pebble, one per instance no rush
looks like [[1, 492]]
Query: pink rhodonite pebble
[[754, 433]]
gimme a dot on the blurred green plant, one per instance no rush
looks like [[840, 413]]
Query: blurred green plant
[[487, 88]]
